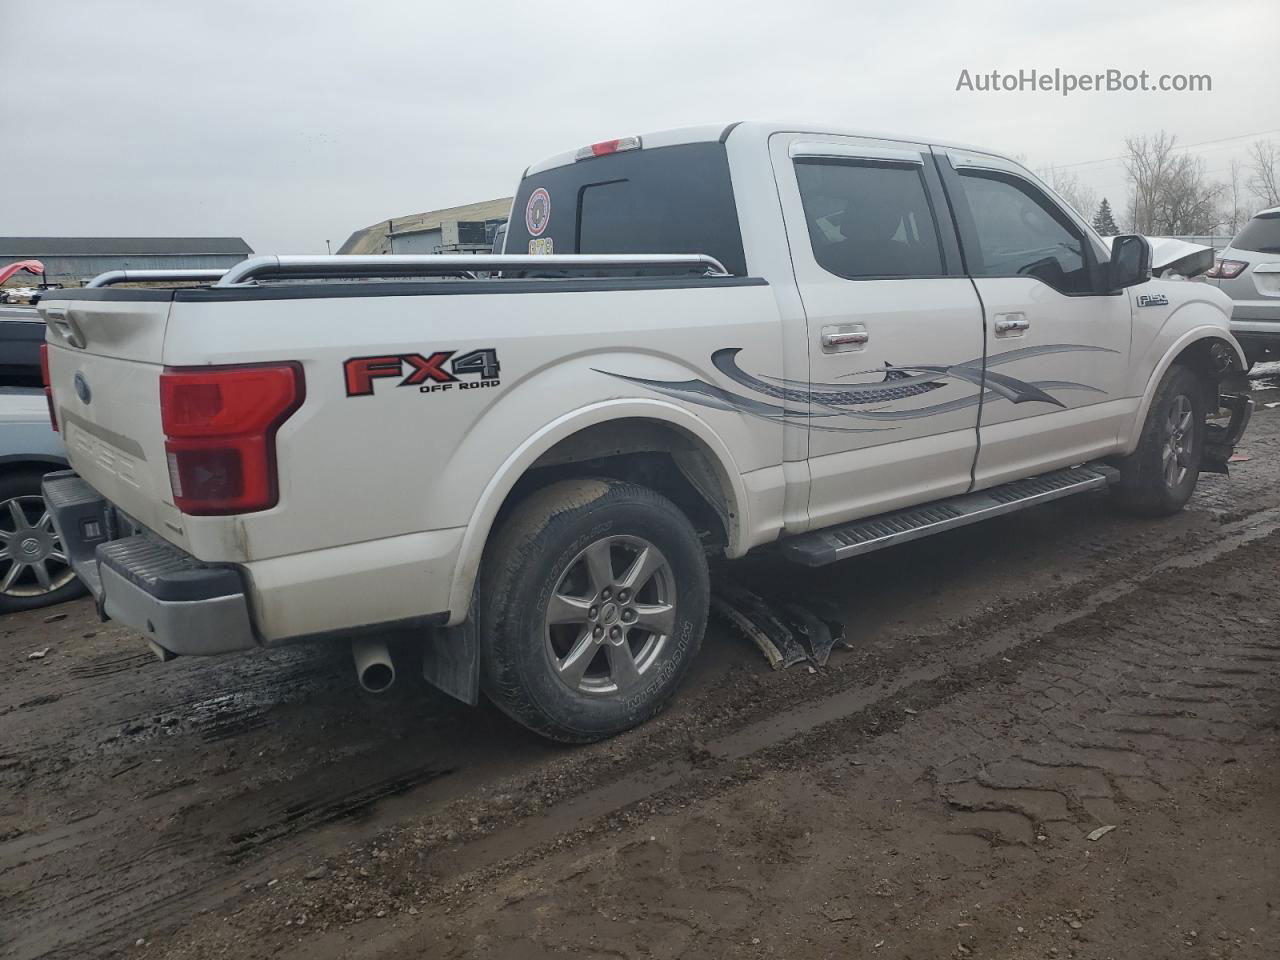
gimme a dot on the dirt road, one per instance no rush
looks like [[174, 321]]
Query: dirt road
[[1012, 689]]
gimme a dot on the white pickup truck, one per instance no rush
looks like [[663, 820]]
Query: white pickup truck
[[698, 342]]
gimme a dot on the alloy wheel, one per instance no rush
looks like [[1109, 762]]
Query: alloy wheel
[[611, 615], [1178, 438], [32, 559]]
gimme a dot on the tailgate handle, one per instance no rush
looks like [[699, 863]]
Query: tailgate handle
[[66, 328]]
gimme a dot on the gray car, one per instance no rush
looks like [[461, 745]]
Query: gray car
[[34, 571], [1248, 271]]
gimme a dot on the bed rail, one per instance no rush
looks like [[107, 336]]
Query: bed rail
[[343, 267], [151, 276]]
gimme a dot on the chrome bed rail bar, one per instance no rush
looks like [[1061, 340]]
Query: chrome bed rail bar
[[151, 276], [340, 266]]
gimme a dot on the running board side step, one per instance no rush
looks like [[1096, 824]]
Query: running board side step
[[821, 547]]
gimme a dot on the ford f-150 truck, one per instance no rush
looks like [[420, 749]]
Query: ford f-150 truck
[[696, 343]]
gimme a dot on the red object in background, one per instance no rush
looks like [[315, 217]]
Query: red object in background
[[31, 266]]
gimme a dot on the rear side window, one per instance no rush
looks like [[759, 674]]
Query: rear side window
[[869, 219], [1260, 235], [1021, 233], [661, 200]]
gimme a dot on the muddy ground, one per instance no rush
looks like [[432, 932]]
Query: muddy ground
[[1012, 689]]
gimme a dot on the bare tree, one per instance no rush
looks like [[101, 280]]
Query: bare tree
[[1082, 197], [1264, 172], [1171, 195], [1235, 210]]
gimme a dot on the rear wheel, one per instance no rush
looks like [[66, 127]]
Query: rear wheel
[[34, 570], [1159, 477], [593, 603]]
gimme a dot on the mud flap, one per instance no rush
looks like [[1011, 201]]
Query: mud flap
[[451, 661]]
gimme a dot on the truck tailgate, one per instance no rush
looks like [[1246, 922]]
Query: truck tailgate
[[104, 367]]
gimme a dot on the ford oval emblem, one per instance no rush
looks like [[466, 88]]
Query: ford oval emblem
[[82, 388]]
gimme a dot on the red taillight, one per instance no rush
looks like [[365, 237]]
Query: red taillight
[[606, 147], [48, 389], [220, 428], [1226, 269]]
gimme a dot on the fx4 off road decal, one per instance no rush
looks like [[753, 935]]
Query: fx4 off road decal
[[432, 373], [828, 402]]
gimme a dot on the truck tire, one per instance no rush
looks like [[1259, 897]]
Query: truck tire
[[1158, 478], [34, 571], [593, 600]]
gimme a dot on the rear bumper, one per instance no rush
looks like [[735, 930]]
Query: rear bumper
[[181, 605]]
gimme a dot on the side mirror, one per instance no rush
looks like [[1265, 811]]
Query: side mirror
[[1130, 262]]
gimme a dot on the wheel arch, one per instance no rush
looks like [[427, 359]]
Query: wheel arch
[[617, 438], [34, 461], [1195, 349]]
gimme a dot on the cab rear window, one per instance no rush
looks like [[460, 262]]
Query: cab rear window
[[666, 200]]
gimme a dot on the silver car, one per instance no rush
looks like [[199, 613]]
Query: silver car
[[34, 571], [1248, 271]]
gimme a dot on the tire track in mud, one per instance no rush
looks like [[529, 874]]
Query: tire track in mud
[[126, 885], [206, 701], [731, 756], [295, 815], [1059, 739]]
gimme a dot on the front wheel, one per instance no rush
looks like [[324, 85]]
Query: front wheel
[[1158, 478], [593, 602]]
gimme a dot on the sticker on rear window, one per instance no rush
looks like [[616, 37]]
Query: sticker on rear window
[[542, 245], [537, 212]]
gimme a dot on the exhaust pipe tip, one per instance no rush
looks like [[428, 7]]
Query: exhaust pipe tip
[[374, 667], [378, 677]]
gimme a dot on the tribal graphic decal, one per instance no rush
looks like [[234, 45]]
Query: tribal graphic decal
[[865, 401]]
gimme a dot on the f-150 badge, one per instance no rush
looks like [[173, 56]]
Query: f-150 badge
[[1153, 300], [427, 373]]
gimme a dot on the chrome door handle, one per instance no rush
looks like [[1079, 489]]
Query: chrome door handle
[[1013, 322], [845, 339]]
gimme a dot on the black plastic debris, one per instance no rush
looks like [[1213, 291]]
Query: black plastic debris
[[785, 633]]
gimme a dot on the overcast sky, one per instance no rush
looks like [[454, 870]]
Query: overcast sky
[[289, 122]]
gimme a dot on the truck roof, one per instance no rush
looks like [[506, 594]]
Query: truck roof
[[758, 129]]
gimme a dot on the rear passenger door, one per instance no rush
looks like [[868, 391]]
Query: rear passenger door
[[894, 326], [1057, 342]]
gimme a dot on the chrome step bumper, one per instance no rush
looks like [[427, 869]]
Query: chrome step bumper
[[181, 605], [901, 526]]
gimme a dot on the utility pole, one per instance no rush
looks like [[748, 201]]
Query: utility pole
[[328, 248]]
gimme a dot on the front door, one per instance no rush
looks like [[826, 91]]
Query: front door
[[894, 326], [1057, 343]]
